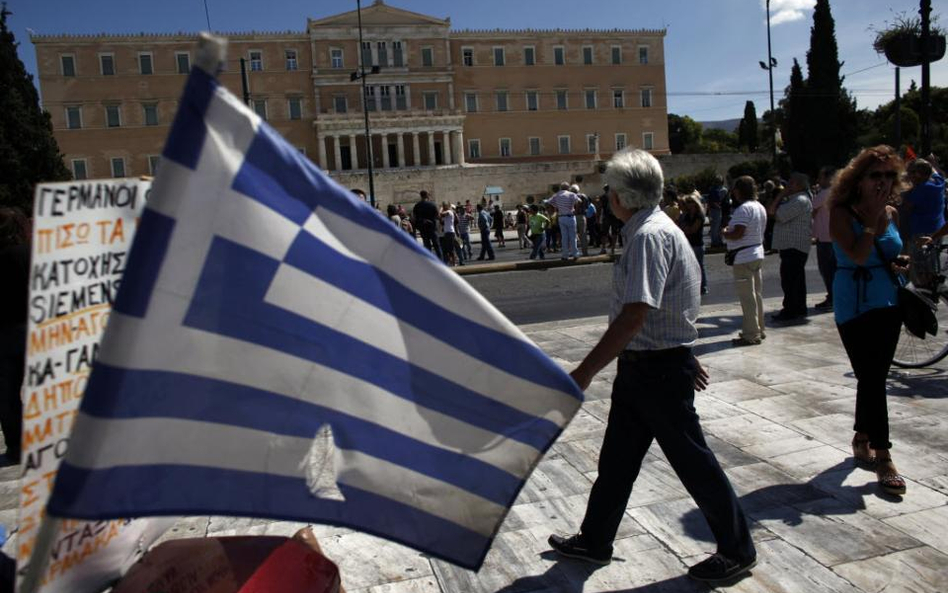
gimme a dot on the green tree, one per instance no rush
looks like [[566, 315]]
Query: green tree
[[747, 129], [28, 150], [716, 140], [830, 111], [794, 128], [684, 133]]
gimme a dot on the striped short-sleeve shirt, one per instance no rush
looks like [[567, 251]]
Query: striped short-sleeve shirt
[[658, 267], [564, 201]]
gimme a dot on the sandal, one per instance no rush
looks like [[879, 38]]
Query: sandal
[[862, 454], [889, 479]]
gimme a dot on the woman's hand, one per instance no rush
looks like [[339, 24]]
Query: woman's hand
[[877, 201], [901, 264]]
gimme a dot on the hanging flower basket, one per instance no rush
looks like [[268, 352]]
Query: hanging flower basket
[[906, 49]]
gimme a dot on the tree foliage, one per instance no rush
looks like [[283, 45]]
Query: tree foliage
[[683, 132], [821, 116], [28, 150], [878, 126], [747, 129]]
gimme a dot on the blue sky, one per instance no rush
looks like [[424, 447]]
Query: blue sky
[[712, 47]]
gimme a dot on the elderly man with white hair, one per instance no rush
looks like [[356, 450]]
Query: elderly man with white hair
[[565, 203], [655, 303]]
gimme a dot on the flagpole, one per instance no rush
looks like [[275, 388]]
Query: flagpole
[[210, 58], [43, 545]]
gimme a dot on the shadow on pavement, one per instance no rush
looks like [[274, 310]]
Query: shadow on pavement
[[776, 502], [928, 383], [570, 575]]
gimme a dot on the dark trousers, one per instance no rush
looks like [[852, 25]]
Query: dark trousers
[[430, 240], [793, 281], [826, 260], [537, 241], [654, 399], [870, 342], [486, 249]]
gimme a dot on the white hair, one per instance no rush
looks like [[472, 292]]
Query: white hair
[[636, 177], [574, 188]]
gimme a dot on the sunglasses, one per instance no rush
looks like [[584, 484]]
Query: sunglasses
[[888, 175]]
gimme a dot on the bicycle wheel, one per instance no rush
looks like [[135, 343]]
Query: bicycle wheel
[[914, 353]]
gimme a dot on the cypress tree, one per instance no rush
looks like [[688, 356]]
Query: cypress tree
[[829, 110], [28, 150], [795, 105], [747, 130]]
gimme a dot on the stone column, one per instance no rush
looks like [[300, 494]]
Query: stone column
[[446, 146], [385, 163], [459, 143], [337, 152], [354, 151], [415, 149], [401, 149], [431, 154], [322, 152]]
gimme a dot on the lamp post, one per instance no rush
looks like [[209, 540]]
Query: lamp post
[[925, 10], [769, 67], [360, 74]]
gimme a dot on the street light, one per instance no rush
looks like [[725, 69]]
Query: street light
[[769, 67], [360, 74]]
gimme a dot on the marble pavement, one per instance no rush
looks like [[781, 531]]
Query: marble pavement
[[778, 416]]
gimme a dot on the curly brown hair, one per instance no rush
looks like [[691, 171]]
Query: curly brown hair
[[845, 189]]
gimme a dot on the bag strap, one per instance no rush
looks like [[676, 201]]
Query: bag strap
[[885, 264], [743, 248]]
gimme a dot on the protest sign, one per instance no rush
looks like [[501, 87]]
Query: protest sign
[[82, 231]]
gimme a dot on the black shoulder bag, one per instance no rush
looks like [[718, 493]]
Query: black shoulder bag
[[917, 310], [732, 254]]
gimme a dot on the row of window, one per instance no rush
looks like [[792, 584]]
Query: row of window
[[113, 116], [563, 145], [80, 167], [395, 98], [376, 53], [182, 62], [113, 113], [532, 99], [146, 63], [529, 55]]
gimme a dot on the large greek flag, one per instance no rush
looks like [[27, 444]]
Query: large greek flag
[[279, 349]]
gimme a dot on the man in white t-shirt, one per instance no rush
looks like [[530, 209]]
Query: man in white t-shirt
[[745, 235]]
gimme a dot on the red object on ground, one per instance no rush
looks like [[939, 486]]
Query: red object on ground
[[254, 564]]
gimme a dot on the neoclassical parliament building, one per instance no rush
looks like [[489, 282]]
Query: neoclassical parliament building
[[439, 97]]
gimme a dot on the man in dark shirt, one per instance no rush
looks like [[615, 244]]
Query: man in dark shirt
[[425, 214]]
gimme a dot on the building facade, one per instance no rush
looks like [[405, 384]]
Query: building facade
[[437, 98]]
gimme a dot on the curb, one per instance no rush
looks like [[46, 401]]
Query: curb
[[538, 264]]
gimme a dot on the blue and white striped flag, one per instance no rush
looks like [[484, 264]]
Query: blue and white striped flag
[[279, 349]]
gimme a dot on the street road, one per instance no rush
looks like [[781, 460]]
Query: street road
[[534, 296]]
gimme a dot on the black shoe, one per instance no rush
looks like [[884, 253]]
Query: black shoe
[[717, 568], [825, 304], [575, 547]]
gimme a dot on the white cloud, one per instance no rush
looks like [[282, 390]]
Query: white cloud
[[787, 11]]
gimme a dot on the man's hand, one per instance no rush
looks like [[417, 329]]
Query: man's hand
[[582, 378], [701, 377]]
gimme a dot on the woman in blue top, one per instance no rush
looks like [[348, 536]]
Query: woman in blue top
[[864, 295]]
